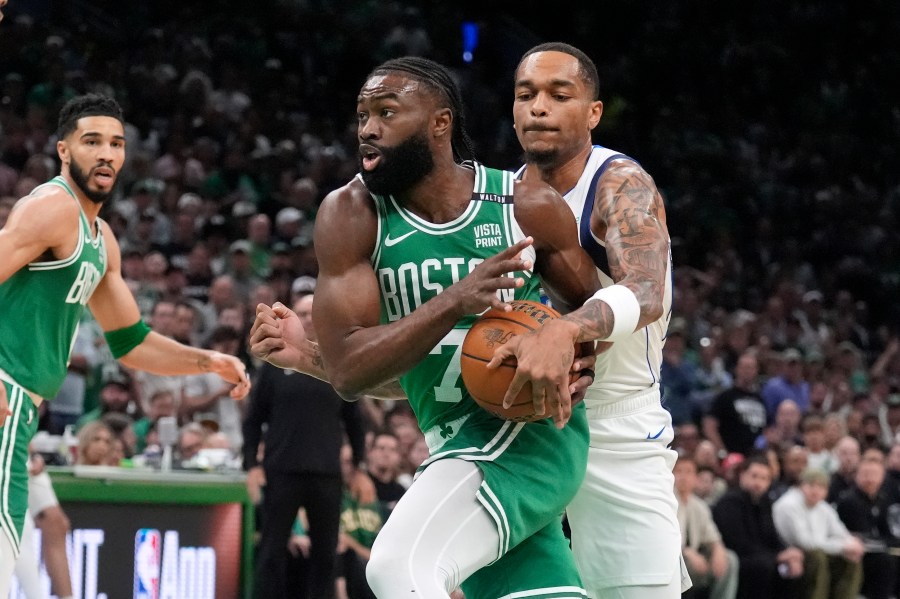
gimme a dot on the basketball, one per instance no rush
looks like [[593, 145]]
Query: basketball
[[491, 330]]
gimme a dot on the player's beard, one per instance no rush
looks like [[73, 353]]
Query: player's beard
[[81, 180], [542, 158], [401, 166]]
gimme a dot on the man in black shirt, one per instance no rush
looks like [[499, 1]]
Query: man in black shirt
[[768, 568], [307, 421], [737, 416], [866, 509]]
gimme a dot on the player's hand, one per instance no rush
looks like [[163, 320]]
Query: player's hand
[[277, 335], [477, 291], [232, 370], [4, 407], [361, 487], [256, 480], [544, 358]]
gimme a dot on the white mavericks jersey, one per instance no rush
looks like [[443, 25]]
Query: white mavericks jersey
[[631, 365]]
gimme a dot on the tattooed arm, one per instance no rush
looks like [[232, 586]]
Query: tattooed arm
[[630, 217]]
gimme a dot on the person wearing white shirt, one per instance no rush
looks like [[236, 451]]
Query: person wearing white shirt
[[833, 556]]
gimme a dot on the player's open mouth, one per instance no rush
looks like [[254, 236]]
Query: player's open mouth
[[370, 157], [104, 175]]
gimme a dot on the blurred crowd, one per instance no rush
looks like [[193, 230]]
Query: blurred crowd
[[776, 154]]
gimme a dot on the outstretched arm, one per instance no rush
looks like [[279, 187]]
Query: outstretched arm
[[115, 310]]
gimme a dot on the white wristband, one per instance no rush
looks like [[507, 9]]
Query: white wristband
[[625, 308]]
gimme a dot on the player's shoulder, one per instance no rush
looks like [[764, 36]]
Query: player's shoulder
[[48, 204], [348, 213], [349, 197]]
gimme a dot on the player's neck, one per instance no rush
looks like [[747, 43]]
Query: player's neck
[[90, 208], [442, 195]]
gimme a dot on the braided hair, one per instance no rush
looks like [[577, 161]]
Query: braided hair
[[437, 77]]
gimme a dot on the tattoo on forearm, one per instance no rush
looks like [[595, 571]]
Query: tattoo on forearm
[[594, 320], [203, 363]]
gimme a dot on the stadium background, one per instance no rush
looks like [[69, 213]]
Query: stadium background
[[770, 127]]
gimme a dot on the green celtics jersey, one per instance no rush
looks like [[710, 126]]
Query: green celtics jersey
[[42, 304], [415, 260]]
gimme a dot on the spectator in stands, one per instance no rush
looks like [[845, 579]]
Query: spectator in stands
[[191, 438], [768, 567], [162, 403], [784, 432], [866, 510], [737, 416], [383, 465], [787, 384], [847, 453], [819, 457], [833, 556], [115, 396], [94, 444], [794, 460], [712, 567]]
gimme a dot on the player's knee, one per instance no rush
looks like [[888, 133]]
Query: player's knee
[[384, 570]]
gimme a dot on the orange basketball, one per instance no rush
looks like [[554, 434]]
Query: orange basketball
[[492, 329]]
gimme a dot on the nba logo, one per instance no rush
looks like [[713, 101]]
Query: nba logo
[[147, 550]]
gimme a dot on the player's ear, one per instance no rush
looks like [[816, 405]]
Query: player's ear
[[62, 150], [596, 111], [442, 124]]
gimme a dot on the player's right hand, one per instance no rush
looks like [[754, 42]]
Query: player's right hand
[[277, 335], [4, 407], [477, 291]]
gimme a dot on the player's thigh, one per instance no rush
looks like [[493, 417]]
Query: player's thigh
[[15, 435], [438, 523]]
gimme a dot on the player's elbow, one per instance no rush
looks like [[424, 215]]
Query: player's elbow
[[346, 385], [651, 309]]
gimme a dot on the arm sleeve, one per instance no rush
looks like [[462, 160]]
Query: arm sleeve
[[786, 516]]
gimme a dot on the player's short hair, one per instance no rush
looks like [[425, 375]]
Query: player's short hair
[[86, 105], [586, 67], [438, 78]]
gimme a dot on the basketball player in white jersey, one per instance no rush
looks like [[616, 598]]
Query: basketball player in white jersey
[[625, 532]]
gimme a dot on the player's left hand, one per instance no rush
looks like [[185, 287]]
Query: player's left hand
[[232, 370], [544, 358]]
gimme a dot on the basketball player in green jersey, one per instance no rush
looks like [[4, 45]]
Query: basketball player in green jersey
[[58, 257], [409, 252]]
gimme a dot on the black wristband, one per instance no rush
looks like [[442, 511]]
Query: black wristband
[[588, 372]]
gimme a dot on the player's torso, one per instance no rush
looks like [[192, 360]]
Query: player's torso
[[42, 305], [415, 260], [632, 365]]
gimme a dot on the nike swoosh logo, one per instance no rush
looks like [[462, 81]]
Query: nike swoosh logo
[[392, 242], [656, 436]]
